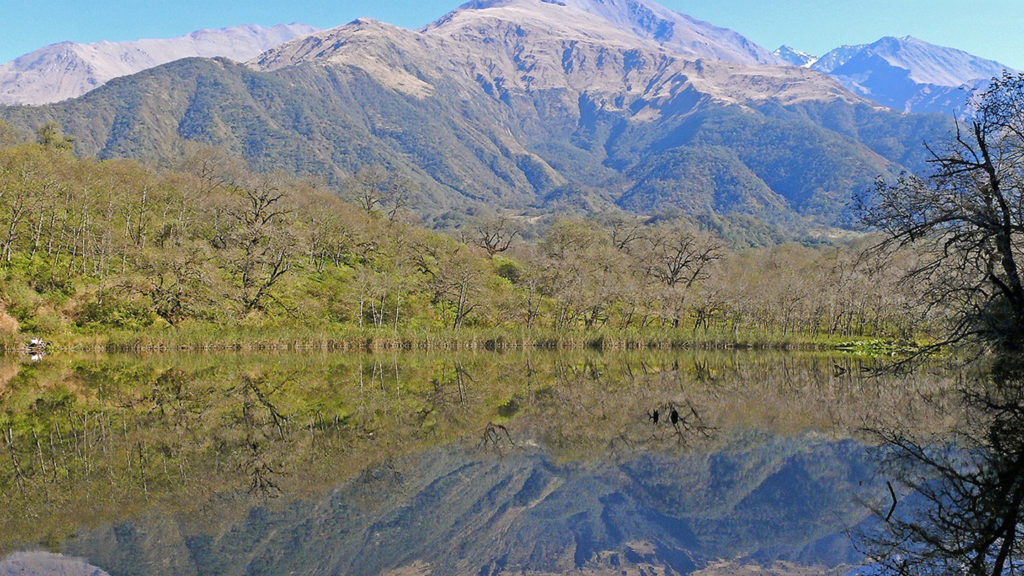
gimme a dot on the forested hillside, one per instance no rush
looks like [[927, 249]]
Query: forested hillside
[[92, 249]]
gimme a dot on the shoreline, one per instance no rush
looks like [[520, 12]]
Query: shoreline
[[485, 340]]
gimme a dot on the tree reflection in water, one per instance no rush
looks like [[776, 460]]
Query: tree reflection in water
[[964, 489], [544, 462]]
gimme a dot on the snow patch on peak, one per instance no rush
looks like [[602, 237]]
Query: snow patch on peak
[[794, 57]]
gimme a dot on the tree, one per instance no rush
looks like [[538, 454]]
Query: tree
[[263, 242], [964, 508], [624, 229], [494, 234], [967, 220], [678, 255], [18, 195], [366, 188], [455, 277], [373, 188], [177, 282], [9, 135], [964, 512], [51, 136]]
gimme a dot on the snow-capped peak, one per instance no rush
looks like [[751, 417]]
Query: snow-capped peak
[[794, 57], [926, 63]]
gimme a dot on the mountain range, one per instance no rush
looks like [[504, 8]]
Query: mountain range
[[525, 105], [783, 502], [67, 70], [905, 74]]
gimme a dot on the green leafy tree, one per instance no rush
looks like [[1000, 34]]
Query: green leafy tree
[[51, 136]]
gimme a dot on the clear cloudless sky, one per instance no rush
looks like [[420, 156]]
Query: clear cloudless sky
[[988, 28]]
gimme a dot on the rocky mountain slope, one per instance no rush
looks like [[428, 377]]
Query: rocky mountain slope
[[67, 69], [910, 75], [539, 104]]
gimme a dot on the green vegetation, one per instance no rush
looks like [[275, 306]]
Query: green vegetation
[[101, 254]]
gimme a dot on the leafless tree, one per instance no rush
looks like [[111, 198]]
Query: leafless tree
[[680, 256], [964, 503], [494, 234], [374, 189], [261, 237], [967, 218], [959, 508]]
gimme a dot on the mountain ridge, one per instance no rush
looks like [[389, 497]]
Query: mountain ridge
[[678, 33], [522, 513], [910, 75], [794, 57], [67, 69], [927, 63]]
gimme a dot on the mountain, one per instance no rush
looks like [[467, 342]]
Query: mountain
[[783, 502], [910, 75], [523, 104], [626, 20], [66, 70], [794, 57]]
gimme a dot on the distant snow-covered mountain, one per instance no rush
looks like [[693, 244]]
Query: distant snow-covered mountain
[[790, 55], [910, 75], [66, 70]]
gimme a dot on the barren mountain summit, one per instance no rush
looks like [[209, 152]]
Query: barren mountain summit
[[624, 50], [910, 75], [677, 33]]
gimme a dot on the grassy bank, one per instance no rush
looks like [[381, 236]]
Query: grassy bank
[[252, 338]]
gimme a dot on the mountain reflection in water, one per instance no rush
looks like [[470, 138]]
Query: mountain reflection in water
[[469, 463]]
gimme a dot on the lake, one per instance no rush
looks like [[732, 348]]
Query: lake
[[485, 463]]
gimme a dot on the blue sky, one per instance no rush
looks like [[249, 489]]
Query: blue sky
[[989, 28]]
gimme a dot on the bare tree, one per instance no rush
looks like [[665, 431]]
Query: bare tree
[[624, 229], [964, 503], [963, 506], [494, 234], [262, 239], [967, 218], [398, 196], [374, 189], [680, 256], [367, 188]]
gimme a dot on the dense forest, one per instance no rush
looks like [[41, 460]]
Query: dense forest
[[210, 253]]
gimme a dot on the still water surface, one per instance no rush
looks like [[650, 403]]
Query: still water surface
[[461, 463]]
